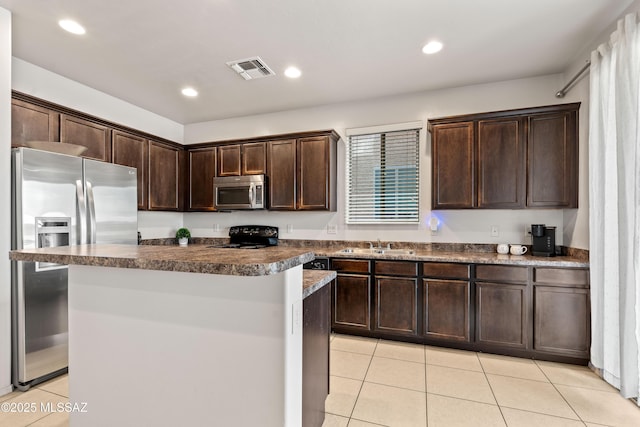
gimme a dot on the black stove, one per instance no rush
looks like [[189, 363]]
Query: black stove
[[251, 237]]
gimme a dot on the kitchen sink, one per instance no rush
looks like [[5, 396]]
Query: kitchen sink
[[379, 251]]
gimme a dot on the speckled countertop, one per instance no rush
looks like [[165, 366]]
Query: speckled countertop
[[312, 280], [463, 257], [435, 252], [195, 258]]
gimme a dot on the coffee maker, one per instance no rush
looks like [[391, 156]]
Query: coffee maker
[[543, 240]]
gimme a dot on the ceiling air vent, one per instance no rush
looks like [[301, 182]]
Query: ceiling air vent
[[251, 68]]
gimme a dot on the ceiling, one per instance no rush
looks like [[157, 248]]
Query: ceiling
[[146, 51]]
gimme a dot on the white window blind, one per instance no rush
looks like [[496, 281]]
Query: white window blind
[[382, 177]]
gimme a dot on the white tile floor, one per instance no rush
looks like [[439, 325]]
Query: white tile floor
[[384, 383], [54, 391]]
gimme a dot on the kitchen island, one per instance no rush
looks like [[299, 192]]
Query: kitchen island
[[169, 336]]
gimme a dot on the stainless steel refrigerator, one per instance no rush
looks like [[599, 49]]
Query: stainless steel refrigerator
[[59, 200]]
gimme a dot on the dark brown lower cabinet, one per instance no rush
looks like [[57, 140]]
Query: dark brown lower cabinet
[[352, 302], [315, 356], [396, 305], [524, 311], [561, 311], [446, 309], [501, 314], [562, 320]]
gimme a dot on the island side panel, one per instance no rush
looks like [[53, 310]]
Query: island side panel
[[169, 348]]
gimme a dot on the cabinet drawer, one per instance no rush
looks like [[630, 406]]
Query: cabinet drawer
[[501, 273], [561, 276], [351, 265], [397, 268], [448, 270]]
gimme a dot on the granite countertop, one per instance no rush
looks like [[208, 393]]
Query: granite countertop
[[461, 257], [312, 280], [191, 259]]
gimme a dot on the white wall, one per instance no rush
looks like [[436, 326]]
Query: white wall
[[5, 200], [155, 225], [457, 226]]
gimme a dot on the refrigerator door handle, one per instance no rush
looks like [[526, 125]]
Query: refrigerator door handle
[[82, 214], [91, 214]]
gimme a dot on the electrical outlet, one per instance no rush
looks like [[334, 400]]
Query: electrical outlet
[[495, 232], [332, 229], [527, 230], [216, 227], [289, 228]]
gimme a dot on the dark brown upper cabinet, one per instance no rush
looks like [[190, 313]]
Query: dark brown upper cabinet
[[316, 173], [95, 136], [229, 160], [164, 177], [526, 158], [553, 160], [202, 170], [132, 150], [254, 158], [282, 174], [248, 158], [453, 173], [302, 173], [161, 164], [501, 163], [30, 122]]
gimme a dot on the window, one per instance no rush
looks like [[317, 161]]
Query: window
[[383, 175]]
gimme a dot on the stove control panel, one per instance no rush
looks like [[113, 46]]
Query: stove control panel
[[253, 231]]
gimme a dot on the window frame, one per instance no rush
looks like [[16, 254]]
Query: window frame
[[397, 215]]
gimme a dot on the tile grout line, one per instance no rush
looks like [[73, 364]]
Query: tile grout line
[[561, 395], [38, 420], [547, 415], [470, 400], [363, 380], [613, 391], [426, 386], [491, 388]]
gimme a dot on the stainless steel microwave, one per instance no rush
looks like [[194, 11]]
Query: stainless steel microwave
[[239, 192]]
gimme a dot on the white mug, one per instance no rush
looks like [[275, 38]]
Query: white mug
[[503, 248], [518, 250]]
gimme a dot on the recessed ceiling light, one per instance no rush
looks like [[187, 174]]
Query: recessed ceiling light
[[190, 92], [432, 47], [71, 26], [292, 72]]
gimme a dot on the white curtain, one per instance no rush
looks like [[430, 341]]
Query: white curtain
[[614, 207]]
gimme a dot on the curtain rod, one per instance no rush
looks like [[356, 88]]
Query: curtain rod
[[563, 91]]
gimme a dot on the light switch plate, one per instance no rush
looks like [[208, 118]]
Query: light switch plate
[[495, 232], [332, 229]]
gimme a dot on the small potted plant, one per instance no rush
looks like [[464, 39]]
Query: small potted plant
[[183, 236]]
